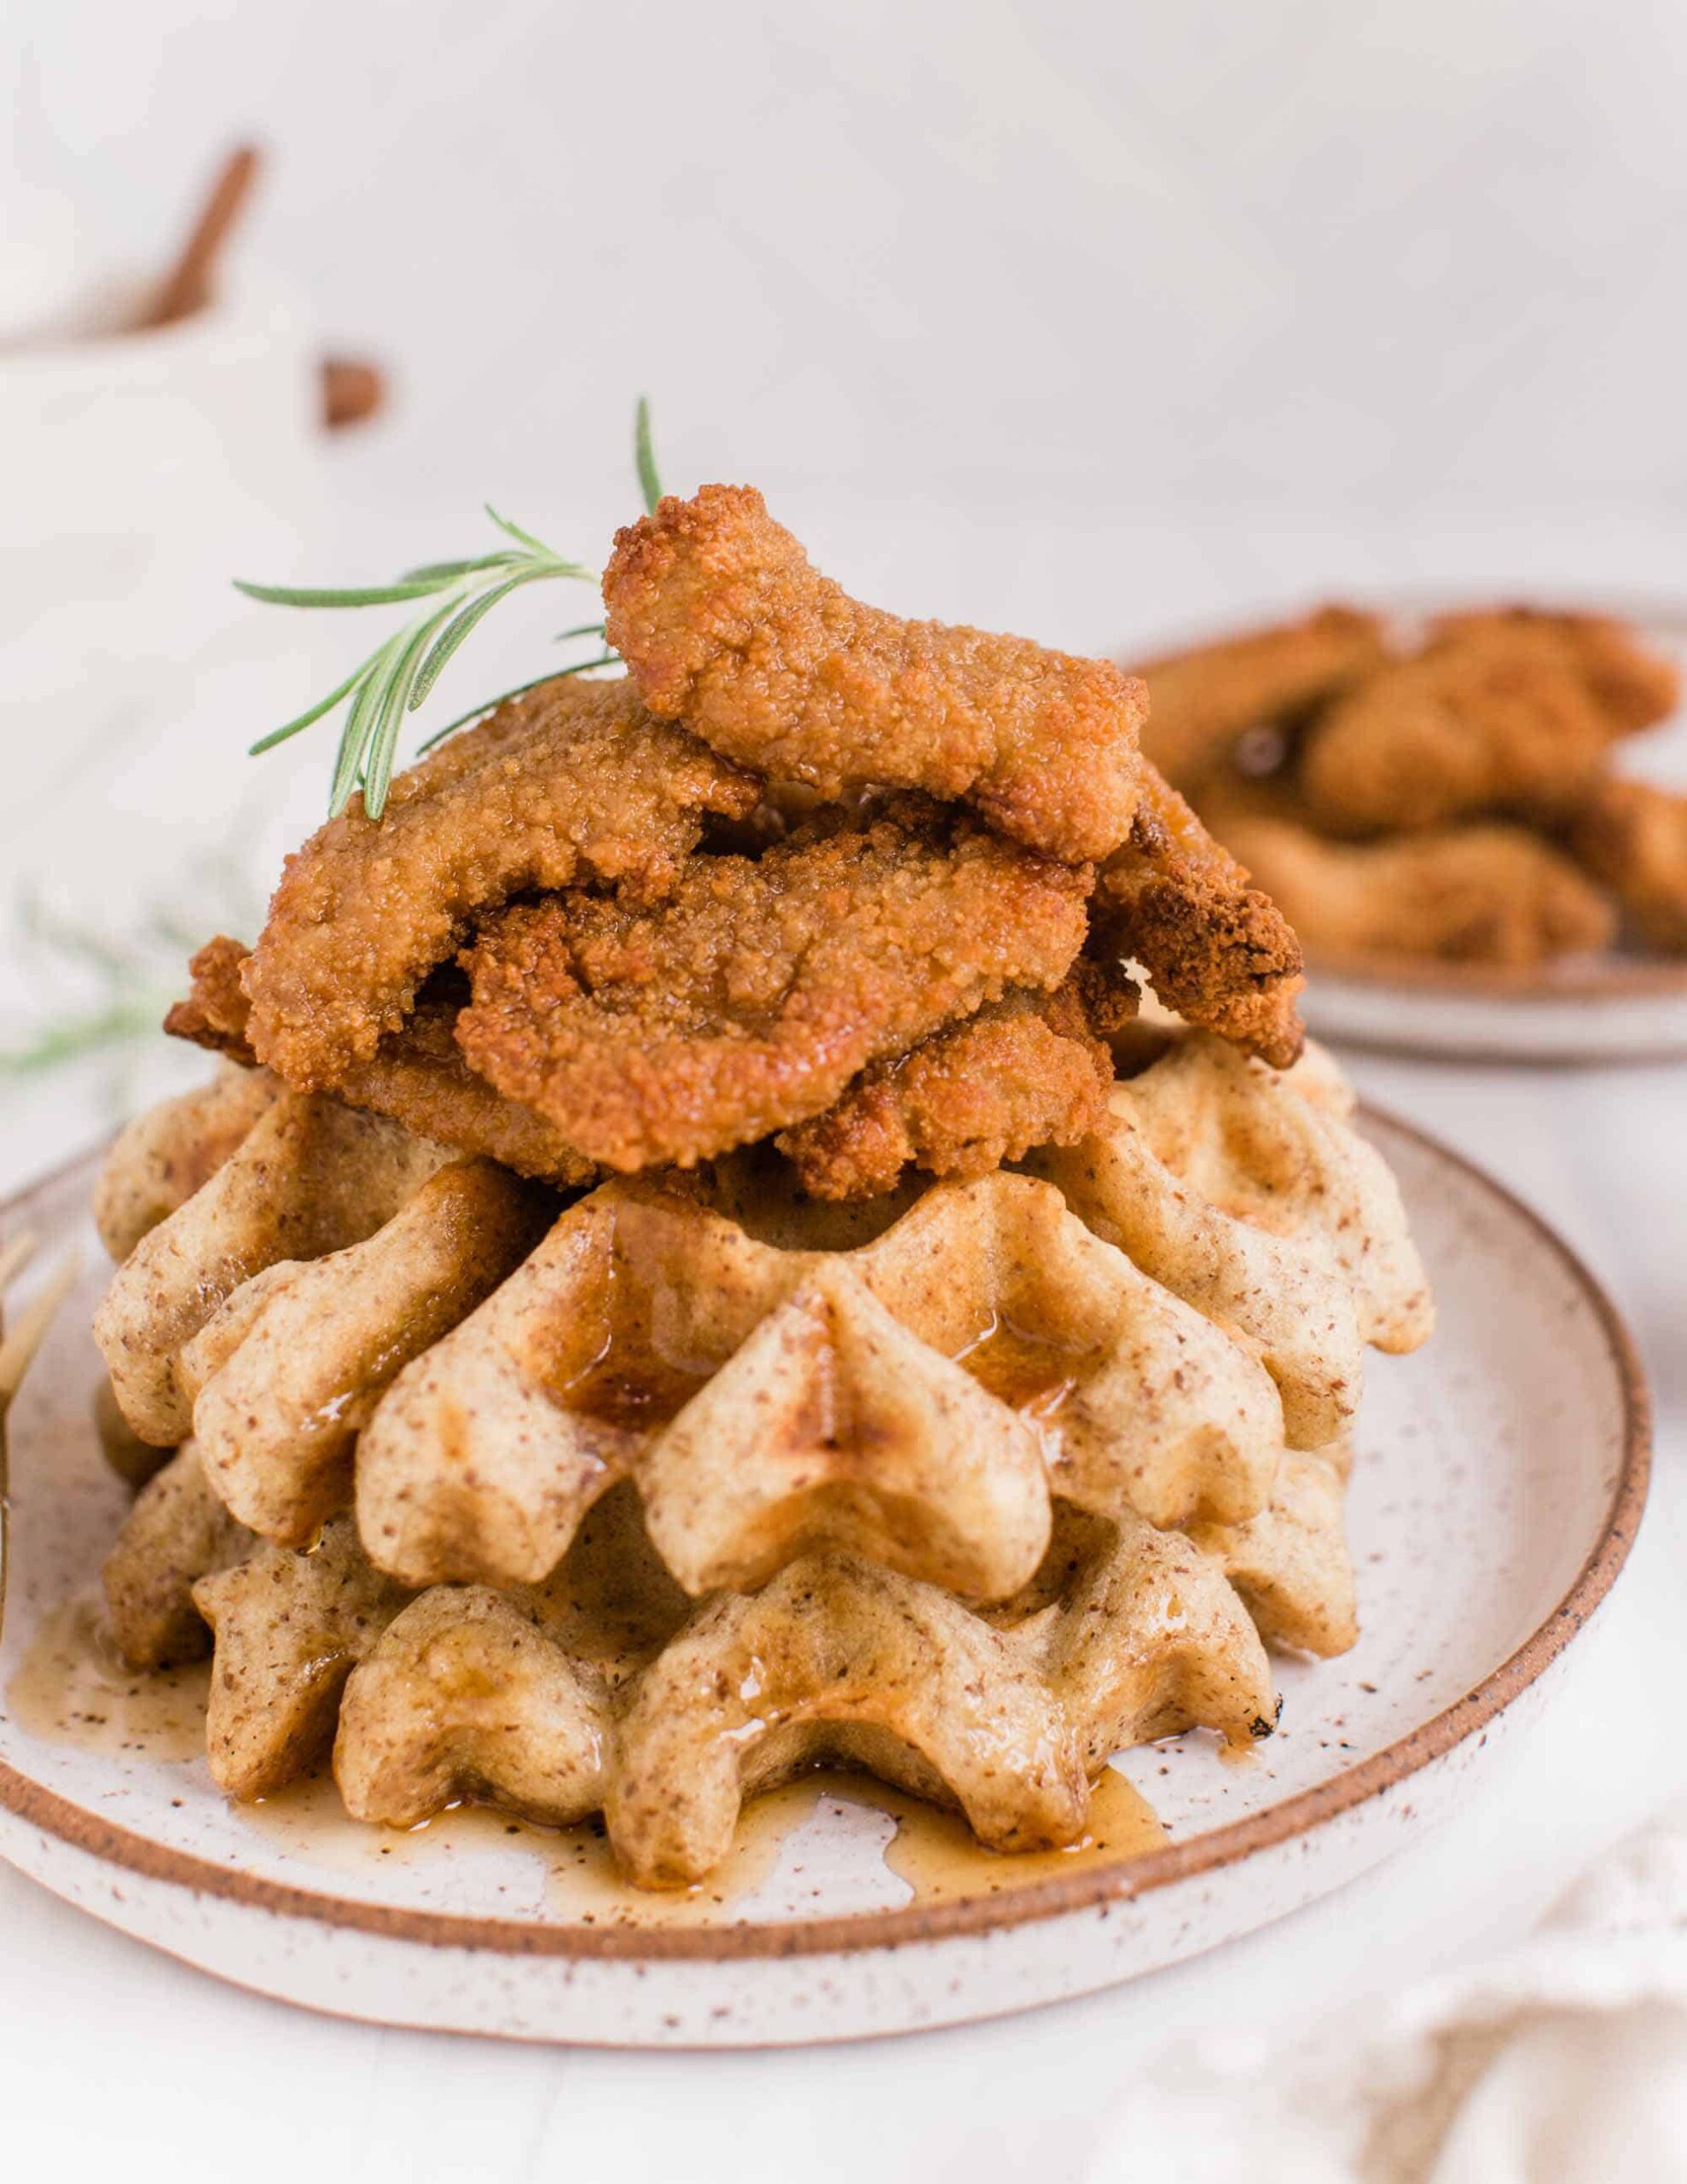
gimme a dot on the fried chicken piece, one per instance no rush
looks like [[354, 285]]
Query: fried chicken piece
[[1202, 702], [1633, 837], [1218, 951], [1026, 1071], [747, 1002], [725, 625], [1632, 685], [1511, 713], [417, 1075], [1483, 894], [572, 781]]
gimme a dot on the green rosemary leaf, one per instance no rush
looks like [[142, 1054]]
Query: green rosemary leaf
[[460, 627], [76, 1036], [307, 719], [522, 538], [449, 572], [381, 594], [398, 676], [355, 735], [395, 700], [644, 456], [580, 630]]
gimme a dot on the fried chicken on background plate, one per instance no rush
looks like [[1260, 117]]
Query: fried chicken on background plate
[[1489, 893], [1632, 837]]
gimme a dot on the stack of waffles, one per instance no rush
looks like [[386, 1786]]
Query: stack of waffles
[[642, 1503]]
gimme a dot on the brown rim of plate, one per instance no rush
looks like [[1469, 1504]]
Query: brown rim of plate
[[1083, 1891]]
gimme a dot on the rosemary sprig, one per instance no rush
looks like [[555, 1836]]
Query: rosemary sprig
[[110, 986], [396, 677], [644, 456], [383, 690]]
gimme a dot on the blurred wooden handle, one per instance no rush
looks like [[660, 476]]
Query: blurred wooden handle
[[187, 284], [351, 391]]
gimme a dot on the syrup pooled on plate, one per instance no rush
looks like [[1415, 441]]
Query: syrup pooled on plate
[[73, 1688], [931, 1850]]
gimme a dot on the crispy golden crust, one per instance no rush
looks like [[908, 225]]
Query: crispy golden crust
[[1510, 713], [725, 625], [1202, 700], [1026, 1071], [1218, 951], [572, 781], [1633, 837], [748, 1002], [1634, 686], [417, 1075], [1491, 894]]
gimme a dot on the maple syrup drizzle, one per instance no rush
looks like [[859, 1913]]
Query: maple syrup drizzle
[[72, 1688], [934, 1851], [1029, 1372]]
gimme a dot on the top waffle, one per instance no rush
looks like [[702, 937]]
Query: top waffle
[[348, 1319]]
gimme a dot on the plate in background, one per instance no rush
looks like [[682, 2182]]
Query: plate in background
[[1621, 1006], [1501, 1473]]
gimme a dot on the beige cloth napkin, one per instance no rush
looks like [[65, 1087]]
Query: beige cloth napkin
[[1562, 2062]]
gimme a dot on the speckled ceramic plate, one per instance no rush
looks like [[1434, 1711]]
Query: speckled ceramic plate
[[1501, 1473], [1617, 1006], [1612, 1007]]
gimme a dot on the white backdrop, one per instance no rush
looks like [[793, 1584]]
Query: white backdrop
[[1087, 321], [977, 249]]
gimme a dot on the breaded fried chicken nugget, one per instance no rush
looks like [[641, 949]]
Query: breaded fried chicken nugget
[[1217, 950], [574, 780], [1026, 1071], [1512, 713], [1633, 837], [417, 1075], [1634, 686], [747, 1002], [1202, 700], [1481, 894], [725, 625]]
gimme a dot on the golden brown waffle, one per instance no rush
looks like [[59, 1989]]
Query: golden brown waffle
[[164, 1155], [1264, 1209], [257, 1260], [645, 1503], [776, 1376], [606, 1688]]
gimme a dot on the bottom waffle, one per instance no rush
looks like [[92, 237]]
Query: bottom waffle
[[607, 1689]]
